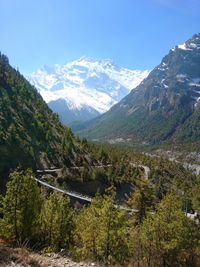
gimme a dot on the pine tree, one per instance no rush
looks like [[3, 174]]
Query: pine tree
[[141, 199], [191, 251], [115, 230], [56, 222], [102, 232], [195, 194], [165, 233], [21, 206], [88, 224]]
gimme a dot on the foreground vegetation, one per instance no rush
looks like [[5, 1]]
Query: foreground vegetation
[[159, 234]]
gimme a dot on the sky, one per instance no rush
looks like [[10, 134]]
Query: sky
[[133, 33]]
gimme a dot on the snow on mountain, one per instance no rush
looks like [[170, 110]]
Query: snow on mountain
[[86, 84], [165, 107]]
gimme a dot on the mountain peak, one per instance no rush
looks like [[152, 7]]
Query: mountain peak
[[92, 63], [85, 58], [86, 82], [90, 59], [190, 45], [196, 36], [165, 106], [47, 69]]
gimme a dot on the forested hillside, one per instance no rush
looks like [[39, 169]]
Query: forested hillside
[[30, 134]]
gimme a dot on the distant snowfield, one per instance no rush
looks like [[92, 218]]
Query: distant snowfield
[[86, 83]]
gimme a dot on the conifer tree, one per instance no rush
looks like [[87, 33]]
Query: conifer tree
[[115, 232], [56, 222], [102, 232], [21, 206], [195, 195], [88, 225], [164, 234], [141, 199]]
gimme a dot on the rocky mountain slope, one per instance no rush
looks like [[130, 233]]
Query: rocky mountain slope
[[165, 106], [83, 89]]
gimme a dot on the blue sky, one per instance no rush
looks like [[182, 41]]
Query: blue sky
[[134, 33]]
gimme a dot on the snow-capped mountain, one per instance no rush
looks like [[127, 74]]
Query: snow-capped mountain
[[82, 89], [164, 107]]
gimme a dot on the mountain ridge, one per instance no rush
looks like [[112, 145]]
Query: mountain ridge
[[87, 87], [163, 107]]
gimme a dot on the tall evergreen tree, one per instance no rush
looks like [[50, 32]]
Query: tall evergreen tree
[[102, 232], [21, 206], [141, 199], [56, 222], [164, 234], [195, 195]]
